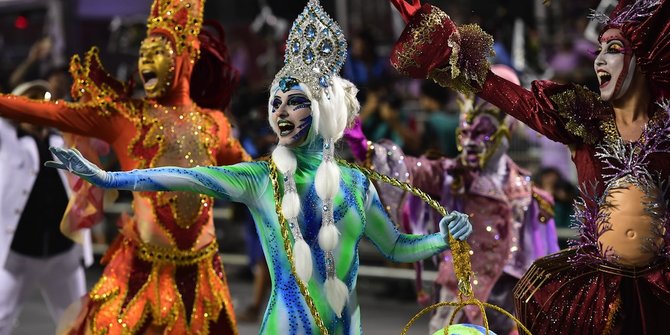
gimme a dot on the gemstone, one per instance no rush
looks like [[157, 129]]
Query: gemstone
[[308, 56], [296, 47], [310, 32], [326, 47]]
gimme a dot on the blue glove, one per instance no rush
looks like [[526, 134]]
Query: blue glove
[[73, 161], [457, 224]]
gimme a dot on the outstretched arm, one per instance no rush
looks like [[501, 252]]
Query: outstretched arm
[[78, 118], [236, 183], [400, 247]]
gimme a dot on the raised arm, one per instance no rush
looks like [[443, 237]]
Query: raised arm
[[562, 113], [400, 247], [433, 46], [389, 159], [237, 183]]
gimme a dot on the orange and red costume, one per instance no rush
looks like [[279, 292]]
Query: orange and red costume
[[163, 274]]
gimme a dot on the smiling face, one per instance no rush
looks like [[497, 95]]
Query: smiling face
[[614, 65], [478, 140], [156, 65], [291, 116]]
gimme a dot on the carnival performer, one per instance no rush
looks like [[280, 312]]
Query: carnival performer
[[308, 207], [512, 220], [616, 279], [163, 273]]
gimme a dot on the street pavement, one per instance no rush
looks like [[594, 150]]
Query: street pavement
[[386, 306]]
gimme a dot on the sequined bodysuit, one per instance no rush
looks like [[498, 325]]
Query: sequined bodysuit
[[142, 134]]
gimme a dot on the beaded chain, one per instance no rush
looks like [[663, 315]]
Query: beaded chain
[[460, 249], [289, 251]]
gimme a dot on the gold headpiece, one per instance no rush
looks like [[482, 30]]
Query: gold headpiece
[[179, 20]]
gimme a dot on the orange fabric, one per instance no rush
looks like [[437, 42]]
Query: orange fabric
[[112, 312], [135, 295], [119, 123]]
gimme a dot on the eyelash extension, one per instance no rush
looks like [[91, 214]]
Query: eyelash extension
[[301, 106], [596, 52], [622, 50]]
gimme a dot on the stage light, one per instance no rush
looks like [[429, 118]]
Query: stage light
[[21, 22]]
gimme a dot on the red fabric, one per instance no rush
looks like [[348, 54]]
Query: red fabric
[[186, 281], [426, 52], [535, 109], [407, 9], [214, 78], [575, 301], [579, 301]]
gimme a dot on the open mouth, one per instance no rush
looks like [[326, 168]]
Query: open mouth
[[150, 79], [472, 154], [285, 127], [604, 78]]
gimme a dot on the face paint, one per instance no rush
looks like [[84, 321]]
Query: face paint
[[291, 116], [478, 139], [303, 128], [614, 65], [156, 65]]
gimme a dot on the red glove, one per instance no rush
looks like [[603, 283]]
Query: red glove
[[407, 10]]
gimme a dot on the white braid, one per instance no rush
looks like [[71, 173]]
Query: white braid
[[331, 113]]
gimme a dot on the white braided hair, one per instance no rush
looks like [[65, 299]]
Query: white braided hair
[[331, 113]]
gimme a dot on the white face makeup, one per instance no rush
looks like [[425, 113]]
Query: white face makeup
[[614, 65], [291, 116]]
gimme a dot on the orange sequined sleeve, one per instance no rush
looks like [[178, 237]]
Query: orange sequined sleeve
[[230, 150], [77, 118]]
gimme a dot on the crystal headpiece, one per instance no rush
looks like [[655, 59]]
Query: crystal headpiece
[[315, 50]]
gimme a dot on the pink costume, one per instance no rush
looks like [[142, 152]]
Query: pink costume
[[512, 221]]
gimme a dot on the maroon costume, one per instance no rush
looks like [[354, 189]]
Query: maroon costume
[[586, 289]]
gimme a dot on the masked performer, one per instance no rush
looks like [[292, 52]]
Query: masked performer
[[512, 222], [307, 206], [163, 273], [617, 279]]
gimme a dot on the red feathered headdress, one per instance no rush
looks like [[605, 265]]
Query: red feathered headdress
[[214, 78]]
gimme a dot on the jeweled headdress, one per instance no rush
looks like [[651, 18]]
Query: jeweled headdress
[[179, 20], [315, 50], [646, 23], [627, 12]]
